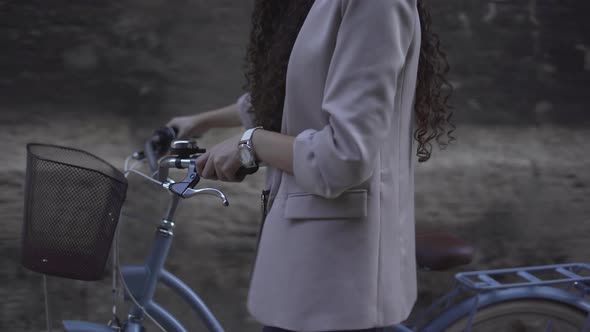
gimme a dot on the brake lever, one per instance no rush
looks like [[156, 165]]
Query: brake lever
[[190, 181], [207, 191]]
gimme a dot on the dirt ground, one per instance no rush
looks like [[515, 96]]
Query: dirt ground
[[519, 194]]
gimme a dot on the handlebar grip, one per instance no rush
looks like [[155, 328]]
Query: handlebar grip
[[158, 145]]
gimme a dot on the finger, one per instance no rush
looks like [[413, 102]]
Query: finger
[[181, 133], [172, 123], [208, 171], [220, 170], [222, 177], [201, 161], [233, 173], [232, 167]]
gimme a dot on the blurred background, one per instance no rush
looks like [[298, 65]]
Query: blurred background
[[102, 75]]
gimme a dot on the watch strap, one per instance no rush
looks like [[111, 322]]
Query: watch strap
[[246, 139], [247, 136]]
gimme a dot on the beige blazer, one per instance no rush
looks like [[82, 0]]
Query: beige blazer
[[337, 248]]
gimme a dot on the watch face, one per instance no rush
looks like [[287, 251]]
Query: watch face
[[245, 156]]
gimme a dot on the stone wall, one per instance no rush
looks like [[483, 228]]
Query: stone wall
[[133, 57], [512, 61], [518, 61]]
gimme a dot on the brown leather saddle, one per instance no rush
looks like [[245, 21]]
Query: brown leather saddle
[[441, 251]]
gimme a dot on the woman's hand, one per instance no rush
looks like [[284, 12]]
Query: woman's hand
[[188, 126], [221, 162]]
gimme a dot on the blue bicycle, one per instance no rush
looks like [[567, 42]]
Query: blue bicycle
[[72, 204]]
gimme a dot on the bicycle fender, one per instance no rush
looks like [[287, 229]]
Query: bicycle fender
[[464, 307], [81, 326]]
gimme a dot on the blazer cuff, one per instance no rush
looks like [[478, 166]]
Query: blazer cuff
[[321, 170], [244, 106]]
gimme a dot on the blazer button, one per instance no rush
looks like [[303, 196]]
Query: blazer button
[[310, 155]]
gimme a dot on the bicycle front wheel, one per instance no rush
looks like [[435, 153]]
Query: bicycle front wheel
[[524, 315]]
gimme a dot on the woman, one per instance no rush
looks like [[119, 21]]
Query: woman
[[333, 86]]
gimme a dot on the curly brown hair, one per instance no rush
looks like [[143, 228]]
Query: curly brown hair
[[275, 25]]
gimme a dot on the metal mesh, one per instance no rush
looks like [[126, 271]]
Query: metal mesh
[[72, 205]]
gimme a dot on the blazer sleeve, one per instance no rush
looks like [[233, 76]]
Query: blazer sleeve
[[359, 97], [244, 111]]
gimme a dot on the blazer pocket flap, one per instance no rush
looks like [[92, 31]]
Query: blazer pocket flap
[[350, 204]]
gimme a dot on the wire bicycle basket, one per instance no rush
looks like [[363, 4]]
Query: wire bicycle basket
[[72, 205]]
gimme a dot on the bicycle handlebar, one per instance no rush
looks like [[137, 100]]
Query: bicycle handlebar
[[159, 144]]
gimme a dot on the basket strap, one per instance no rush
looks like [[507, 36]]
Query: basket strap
[[47, 308], [114, 290], [114, 322]]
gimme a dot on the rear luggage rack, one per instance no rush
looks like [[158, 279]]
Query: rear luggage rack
[[529, 276]]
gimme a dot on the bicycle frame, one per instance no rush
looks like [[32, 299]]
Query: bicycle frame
[[142, 280]]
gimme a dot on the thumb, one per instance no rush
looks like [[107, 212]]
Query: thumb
[[181, 132], [201, 161], [174, 124]]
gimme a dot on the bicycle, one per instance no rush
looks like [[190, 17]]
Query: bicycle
[[478, 301]]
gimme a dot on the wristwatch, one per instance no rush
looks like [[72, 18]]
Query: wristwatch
[[246, 150]]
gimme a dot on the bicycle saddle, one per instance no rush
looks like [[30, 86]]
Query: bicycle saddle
[[441, 251]]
